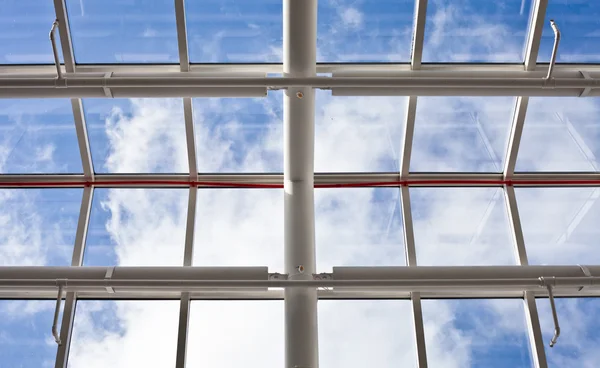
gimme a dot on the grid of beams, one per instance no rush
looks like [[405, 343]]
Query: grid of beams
[[413, 79]]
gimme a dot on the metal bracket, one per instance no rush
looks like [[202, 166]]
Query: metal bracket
[[548, 286], [586, 272], [107, 90], [61, 283], [586, 91], [278, 276], [323, 276], [107, 277]]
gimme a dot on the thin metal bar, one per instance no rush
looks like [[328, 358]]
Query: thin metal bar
[[401, 80], [321, 180], [82, 139], [414, 285], [55, 50], [60, 10], [531, 315], [66, 331], [55, 332], [62, 354], [188, 252], [554, 317], [184, 60], [190, 137], [535, 34], [82, 226], [182, 334], [516, 133], [418, 33], [554, 49], [411, 261], [409, 131]]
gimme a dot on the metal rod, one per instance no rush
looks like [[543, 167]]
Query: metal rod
[[55, 332], [545, 282], [59, 75], [554, 49], [396, 284], [179, 80]]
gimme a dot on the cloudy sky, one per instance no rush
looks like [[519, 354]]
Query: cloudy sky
[[363, 226]]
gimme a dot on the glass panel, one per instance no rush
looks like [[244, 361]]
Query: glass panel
[[24, 28], [124, 334], [366, 333], [358, 133], [358, 227], [38, 136], [137, 227], [137, 135], [579, 325], [461, 133], [239, 135], [468, 31], [123, 31], [364, 31], [579, 22], [560, 225], [236, 334], [476, 333], [235, 31], [461, 227], [37, 226], [560, 134], [25, 336], [239, 227]]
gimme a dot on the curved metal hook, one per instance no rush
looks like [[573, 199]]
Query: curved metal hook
[[55, 332]]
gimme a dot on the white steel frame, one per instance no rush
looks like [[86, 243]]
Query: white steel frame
[[299, 285]]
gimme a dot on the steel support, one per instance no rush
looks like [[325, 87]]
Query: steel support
[[299, 62]]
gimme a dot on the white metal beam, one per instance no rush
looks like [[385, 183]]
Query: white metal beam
[[418, 37], [534, 37], [184, 60], [531, 314], [299, 61], [66, 330], [411, 261], [321, 180]]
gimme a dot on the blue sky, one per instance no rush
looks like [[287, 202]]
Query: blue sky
[[452, 226]]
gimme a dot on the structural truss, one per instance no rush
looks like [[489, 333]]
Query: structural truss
[[300, 286]]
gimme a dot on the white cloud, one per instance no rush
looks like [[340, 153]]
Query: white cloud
[[351, 17]]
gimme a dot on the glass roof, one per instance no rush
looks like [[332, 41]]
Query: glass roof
[[428, 174]]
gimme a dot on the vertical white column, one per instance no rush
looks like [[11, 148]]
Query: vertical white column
[[299, 60]]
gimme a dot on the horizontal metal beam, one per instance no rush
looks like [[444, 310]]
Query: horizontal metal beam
[[277, 294], [322, 180], [183, 279], [276, 68], [184, 84]]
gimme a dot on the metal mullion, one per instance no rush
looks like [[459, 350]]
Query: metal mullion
[[82, 139], [533, 322], [411, 261], [418, 33], [190, 136], [184, 306], [76, 105], [409, 131], [66, 330], [184, 60], [534, 36], [62, 16], [514, 141], [531, 53]]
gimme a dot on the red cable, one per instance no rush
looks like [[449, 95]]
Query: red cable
[[440, 182]]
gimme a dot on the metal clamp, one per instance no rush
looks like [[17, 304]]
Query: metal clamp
[[586, 91], [61, 284], [548, 286], [107, 90], [107, 277], [586, 272]]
